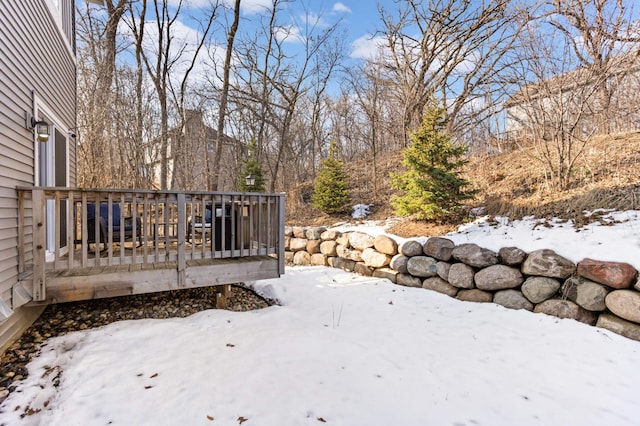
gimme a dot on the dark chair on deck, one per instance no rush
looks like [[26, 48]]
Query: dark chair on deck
[[131, 225]]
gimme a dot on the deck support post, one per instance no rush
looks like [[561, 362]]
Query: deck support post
[[39, 245], [222, 293]]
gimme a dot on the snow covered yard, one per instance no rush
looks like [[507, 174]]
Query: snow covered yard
[[348, 350]]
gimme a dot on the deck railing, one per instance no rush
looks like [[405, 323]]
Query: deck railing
[[62, 229]]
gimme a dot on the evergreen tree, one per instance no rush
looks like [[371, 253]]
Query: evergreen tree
[[432, 187], [252, 166], [331, 187]]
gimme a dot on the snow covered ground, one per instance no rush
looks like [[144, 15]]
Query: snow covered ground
[[348, 350]]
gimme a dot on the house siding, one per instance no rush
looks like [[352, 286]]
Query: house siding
[[34, 58]]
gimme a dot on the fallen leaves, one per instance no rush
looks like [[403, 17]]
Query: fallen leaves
[[241, 420]]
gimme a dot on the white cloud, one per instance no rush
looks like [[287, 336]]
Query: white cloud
[[340, 8], [289, 34], [367, 47], [252, 7]]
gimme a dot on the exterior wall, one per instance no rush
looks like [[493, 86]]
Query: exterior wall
[[36, 57]]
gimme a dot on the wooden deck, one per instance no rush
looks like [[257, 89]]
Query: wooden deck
[[168, 245]]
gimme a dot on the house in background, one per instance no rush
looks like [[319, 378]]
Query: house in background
[[59, 243], [189, 150], [573, 101]]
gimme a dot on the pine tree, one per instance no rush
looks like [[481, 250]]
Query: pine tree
[[252, 166], [432, 187], [331, 187]]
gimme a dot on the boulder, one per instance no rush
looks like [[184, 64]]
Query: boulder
[[328, 248], [288, 231], [386, 245], [314, 232], [373, 258], [566, 309], [619, 326], [547, 263], [330, 235], [511, 256], [498, 277], [386, 273], [586, 294], [345, 264], [625, 304], [410, 248], [474, 255], [512, 299], [363, 269], [422, 266], [442, 269], [439, 285], [313, 246], [399, 263], [288, 257], [298, 244], [613, 274], [408, 280], [475, 295], [318, 259], [302, 258], [461, 275], [287, 242], [347, 253], [343, 239], [360, 240], [439, 248], [299, 232], [539, 289]]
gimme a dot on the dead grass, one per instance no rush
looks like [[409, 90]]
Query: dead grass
[[510, 184]]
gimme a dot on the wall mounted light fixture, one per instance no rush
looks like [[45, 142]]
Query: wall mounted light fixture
[[41, 127]]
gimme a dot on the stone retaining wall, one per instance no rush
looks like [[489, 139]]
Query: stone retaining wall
[[604, 294]]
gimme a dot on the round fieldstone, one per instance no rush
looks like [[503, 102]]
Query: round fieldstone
[[408, 280], [347, 253], [302, 258], [439, 285], [330, 235], [511, 256], [314, 233], [298, 244], [586, 294], [442, 269], [399, 263], [343, 239], [512, 299], [318, 259], [617, 275], [373, 258], [475, 295], [474, 255], [439, 248], [498, 277], [299, 232], [421, 266], [313, 246], [566, 309], [547, 263], [360, 240], [344, 264], [410, 248], [625, 304], [386, 245], [328, 248], [613, 323], [363, 269], [461, 275], [539, 289]]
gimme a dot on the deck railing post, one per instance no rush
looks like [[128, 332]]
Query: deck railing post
[[182, 224], [39, 245], [280, 231]]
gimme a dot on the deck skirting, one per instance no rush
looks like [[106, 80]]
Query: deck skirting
[[122, 280]]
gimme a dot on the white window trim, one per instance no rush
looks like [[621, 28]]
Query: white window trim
[[56, 14], [41, 110]]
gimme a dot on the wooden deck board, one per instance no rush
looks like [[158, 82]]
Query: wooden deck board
[[120, 280]]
